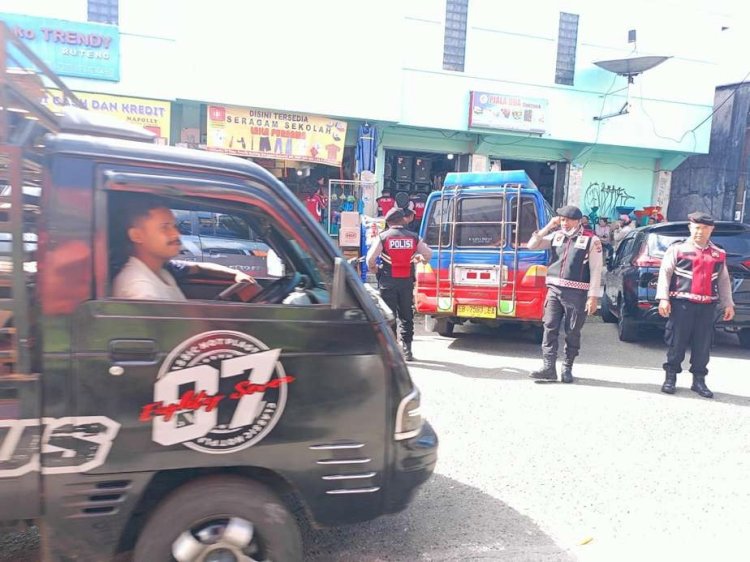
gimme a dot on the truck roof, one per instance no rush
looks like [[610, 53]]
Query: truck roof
[[124, 149], [489, 179]]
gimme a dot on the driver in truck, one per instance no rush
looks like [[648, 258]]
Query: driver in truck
[[153, 240]]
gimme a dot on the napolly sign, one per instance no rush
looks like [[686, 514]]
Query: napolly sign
[[84, 50], [511, 113], [279, 135], [152, 115]]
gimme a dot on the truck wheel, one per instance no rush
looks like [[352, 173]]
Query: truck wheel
[[627, 329], [744, 336], [607, 315], [444, 327], [220, 518]]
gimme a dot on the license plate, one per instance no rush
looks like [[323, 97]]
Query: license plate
[[476, 311]]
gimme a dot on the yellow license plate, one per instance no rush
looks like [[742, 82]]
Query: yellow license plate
[[476, 311]]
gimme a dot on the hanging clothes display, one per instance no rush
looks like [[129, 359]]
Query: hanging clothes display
[[367, 142]]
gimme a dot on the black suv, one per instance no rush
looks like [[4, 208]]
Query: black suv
[[630, 282]]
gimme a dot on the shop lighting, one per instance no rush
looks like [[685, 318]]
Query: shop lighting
[[449, 156], [299, 172]]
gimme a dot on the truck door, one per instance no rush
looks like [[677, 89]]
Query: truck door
[[291, 385]]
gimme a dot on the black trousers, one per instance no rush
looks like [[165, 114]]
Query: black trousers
[[690, 324], [568, 305], [398, 294]]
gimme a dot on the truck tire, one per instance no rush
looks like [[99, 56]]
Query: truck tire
[[444, 327], [744, 336], [607, 315], [627, 329], [220, 512]]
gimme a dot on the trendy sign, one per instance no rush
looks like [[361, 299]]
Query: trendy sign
[[510, 113], [84, 50], [152, 115], [280, 135]]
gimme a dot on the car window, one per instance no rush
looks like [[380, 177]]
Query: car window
[[624, 250], [479, 221], [184, 220], [528, 220], [735, 243], [439, 215]]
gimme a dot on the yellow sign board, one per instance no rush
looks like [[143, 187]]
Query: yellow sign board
[[279, 135], [152, 115]]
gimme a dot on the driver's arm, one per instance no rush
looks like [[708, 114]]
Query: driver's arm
[[205, 269]]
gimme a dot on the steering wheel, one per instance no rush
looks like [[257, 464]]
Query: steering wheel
[[228, 293], [279, 289]]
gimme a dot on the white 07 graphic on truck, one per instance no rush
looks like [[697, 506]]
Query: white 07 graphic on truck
[[218, 392]]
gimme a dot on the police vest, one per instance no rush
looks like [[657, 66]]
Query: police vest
[[399, 247], [570, 261], [385, 204], [696, 273]]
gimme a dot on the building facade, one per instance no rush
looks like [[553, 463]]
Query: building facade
[[446, 84]]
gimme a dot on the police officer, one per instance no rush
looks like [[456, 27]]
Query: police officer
[[693, 278], [398, 248], [573, 287]]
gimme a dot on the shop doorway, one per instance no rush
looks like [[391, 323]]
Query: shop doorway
[[549, 176]]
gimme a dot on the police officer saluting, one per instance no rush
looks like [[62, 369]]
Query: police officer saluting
[[398, 248], [693, 278], [574, 279]]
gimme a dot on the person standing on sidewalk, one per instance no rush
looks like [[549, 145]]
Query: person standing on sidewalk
[[398, 248], [574, 279], [693, 278]]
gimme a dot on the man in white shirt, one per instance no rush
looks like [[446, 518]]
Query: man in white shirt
[[154, 241]]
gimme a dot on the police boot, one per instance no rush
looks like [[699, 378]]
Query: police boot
[[669, 383], [567, 371], [548, 372], [699, 386], [406, 349]]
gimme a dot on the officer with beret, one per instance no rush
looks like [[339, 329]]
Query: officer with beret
[[693, 279], [574, 279], [398, 248]]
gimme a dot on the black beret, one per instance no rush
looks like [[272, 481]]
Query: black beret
[[570, 212], [394, 215], [701, 218]]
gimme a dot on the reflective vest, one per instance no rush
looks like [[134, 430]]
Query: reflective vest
[[696, 273], [385, 204], [399, 247], [419, 205], [570, 261]]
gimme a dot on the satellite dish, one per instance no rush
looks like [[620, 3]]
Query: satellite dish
[[629, 67]]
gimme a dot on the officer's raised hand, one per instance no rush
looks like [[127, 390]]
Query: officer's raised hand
[[665, 308], [552, 224]]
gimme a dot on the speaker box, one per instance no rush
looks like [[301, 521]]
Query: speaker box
[[404, 168], [423, 188], [402, 186], [388, 175], [422, 169]]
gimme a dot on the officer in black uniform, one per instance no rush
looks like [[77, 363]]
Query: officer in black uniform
[[573, 287], [398, 248], [693, 279]]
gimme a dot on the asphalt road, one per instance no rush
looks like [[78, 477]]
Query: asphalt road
[[606, 469]]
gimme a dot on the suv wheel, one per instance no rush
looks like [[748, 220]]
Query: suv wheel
[[744, 336], [627, 329], [607, 315]]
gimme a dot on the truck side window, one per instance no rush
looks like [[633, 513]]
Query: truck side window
[[528, 221]]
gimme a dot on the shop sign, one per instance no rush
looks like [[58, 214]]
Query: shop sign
[[84, 50], [278, 135], [510, 113], [152, 115]]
